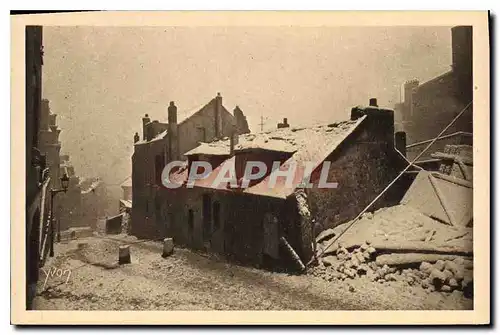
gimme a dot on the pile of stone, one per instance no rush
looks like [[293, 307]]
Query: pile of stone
[[443, 273], [448, 275]]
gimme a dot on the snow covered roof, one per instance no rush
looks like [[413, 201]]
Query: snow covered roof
[[308, 144], [127, 182], [217, 148], [126, 203]]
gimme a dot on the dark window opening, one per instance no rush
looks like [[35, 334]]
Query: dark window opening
[[216, 215], [159, 165], [207, 216], [190, 223]]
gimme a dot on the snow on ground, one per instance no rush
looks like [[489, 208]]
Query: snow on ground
[[191, 281]]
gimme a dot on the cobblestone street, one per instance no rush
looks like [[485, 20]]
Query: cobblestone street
[[87, 277]]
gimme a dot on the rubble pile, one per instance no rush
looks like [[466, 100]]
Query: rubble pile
[[443, 267]]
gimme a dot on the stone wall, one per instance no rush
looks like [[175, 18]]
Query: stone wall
[[362, 166], [239, 233], [201, 128]]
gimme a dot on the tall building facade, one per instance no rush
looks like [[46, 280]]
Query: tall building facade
[[427, 108], [37, 176]]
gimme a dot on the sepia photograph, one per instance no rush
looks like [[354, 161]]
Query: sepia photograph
[[305, 163]]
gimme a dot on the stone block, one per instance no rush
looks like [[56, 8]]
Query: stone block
[[124, 254], [168, 247]]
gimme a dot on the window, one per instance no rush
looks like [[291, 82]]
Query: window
[[216, 212], [159, 165], [202, 134], [207, 216], [190, 223]]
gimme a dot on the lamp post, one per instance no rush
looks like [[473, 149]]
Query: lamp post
[[53, 192]]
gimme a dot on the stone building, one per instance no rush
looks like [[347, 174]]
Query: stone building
[[125, 205], [427, 108], [49, 142], [164, 142], [247, 223], [37, 174]]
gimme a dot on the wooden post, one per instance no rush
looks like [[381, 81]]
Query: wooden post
[[293, 253], [124, 254]]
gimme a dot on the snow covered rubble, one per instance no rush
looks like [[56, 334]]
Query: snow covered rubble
[[398, 244]]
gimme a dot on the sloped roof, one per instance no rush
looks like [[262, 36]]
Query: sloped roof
[[216, 148], [181, 118], [308, 144], [403, 224], [126, 203], [127, 182], [445, 198]]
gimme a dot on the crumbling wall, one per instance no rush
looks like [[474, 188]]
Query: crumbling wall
[[300, 224]]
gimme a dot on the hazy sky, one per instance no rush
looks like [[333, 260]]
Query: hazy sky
[[101, 81]]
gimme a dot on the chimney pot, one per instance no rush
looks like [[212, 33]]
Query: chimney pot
[[373, 102], [400, 142], [284, 124], [218, 116]]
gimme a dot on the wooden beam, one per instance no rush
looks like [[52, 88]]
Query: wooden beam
[[452, 157], [442, 199]]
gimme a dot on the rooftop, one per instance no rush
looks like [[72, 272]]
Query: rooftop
[[307, 144], [182, 117]]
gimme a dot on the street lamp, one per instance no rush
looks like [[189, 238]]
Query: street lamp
[[53, 192]]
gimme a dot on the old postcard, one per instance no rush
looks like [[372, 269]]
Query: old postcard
[[182, 167]]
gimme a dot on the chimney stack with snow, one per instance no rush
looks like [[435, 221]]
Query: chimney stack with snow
[[145, 121]]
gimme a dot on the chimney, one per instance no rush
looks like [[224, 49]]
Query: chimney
[[233, 141], [145, 121], [379, 120], [373, 102], [284, 124], [400, 142], [173, 141], [151, 130], [136, 137], [461, 48], [172, 113], [218, 116]]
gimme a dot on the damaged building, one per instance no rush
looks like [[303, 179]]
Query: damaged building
[[248, 223], [162, 143]]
